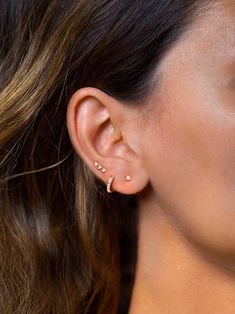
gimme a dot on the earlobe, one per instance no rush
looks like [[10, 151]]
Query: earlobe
[[110, 181]]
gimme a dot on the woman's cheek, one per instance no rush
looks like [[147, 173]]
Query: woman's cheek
[[191, 174]]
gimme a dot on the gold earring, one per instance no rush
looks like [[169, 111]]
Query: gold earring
[[110, 181], [109, 184], [99, 167]]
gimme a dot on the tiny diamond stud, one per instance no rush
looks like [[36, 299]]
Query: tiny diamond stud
[[128, 178]]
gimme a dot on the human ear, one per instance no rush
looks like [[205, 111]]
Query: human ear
[[99, 131]]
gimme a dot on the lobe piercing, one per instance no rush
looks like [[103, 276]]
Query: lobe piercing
[[111, 178]]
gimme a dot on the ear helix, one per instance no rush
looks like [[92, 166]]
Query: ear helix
[[111, 178]]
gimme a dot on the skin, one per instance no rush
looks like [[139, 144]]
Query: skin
[[183, 174]]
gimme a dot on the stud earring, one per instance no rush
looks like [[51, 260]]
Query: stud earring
[[99, 167], [128, 178]]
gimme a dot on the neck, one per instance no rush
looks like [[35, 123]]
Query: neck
[[171, 277]]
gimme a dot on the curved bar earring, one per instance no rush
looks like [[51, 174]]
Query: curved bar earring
[[109, 184]]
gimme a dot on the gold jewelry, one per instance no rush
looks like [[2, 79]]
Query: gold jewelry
[[99, 167], [109, 184], [110, 181]]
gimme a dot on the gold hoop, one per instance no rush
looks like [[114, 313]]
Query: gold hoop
[[109, 184]]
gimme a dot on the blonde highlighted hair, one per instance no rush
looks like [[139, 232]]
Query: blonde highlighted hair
[[66, 246]]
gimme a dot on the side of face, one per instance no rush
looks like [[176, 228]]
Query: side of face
[[190, 151], [182, 142]]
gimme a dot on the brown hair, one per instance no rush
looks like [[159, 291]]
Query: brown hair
[[63, 238]]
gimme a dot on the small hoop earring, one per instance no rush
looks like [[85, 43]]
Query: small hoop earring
[[109, 184]]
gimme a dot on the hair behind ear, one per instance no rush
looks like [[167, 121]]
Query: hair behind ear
[[63, 239]]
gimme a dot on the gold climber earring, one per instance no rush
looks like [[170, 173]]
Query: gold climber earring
[[110, 181], [99, 167]]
